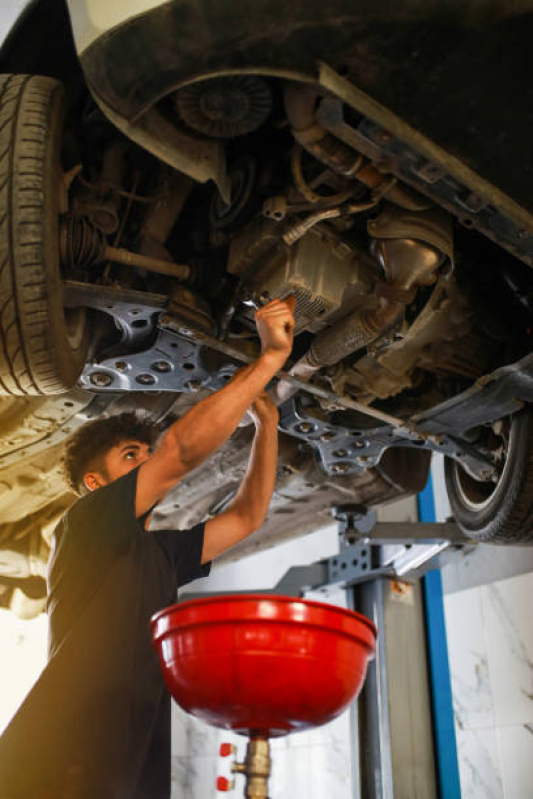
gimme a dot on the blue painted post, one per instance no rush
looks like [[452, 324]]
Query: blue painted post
[[439, 670]]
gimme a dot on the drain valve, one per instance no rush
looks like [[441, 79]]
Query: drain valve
[[256, 768]]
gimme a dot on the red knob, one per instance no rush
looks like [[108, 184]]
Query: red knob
[[223, 784], [226, 750]]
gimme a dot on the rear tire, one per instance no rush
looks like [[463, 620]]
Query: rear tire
[[42, 346], [502, 512]]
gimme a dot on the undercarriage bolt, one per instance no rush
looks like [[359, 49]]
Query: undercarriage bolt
[[101, 379], [161, 366], [327, 437], [362, 459], [145, 380], [194, 385], [359, 444], [305, 427], [340, 453], [341, 467]]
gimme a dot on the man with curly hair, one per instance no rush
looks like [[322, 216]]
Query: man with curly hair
[[97, 722]]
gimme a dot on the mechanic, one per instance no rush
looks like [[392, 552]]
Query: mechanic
[[97, 722]]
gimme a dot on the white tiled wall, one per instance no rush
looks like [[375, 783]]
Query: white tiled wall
[[490, 643], [490, 647]]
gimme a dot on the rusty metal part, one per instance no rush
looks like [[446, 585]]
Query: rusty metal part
[[189, 310], [161, 215], [434, 227], [300, 102], [299, 229], [181, 272], [389, 370], [83, 245], [305, 189], [349, 335], [201, 159], [362, 103]]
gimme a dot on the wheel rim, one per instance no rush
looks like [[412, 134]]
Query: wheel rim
[[476, 495]]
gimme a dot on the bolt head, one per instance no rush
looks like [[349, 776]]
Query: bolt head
[[161, 366], [145, 380], [326, 437], [101, 379], [305, 427], [340, 467], [340, 453]]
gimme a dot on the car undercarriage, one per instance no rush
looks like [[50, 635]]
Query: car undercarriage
[[179, 206]]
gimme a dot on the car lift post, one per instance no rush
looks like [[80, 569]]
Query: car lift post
[[379, 565]]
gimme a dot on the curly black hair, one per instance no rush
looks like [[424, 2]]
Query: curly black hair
[[85, 449]]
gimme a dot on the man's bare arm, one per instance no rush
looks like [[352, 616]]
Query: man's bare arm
[[248, 510], [201, 431]]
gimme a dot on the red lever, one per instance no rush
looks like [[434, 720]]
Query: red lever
[[226, 750], [223, 784]]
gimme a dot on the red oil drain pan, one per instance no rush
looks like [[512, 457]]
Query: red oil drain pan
[[262, 664]]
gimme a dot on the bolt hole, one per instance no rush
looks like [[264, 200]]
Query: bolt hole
[[68, 404], [188, 366], [355, 562], [173, 345], [364, 566], [335, 562], [343, 565], [139, 323], [363, 553]]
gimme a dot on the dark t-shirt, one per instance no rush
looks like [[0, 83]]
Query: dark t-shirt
[[97, 722]]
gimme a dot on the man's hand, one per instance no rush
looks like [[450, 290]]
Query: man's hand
[[275, 325], [263, 411]]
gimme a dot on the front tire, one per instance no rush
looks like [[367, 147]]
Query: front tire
[[502, 512], [42, 345]]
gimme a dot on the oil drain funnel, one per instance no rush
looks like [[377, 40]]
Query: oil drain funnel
[[262, 666]]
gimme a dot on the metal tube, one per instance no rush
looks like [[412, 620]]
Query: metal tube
[[180, 272], [376, 756]]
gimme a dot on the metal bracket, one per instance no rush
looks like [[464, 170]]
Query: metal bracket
[[390, 549]]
